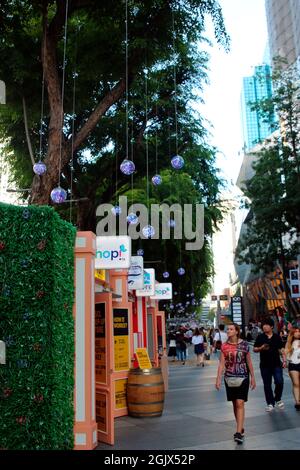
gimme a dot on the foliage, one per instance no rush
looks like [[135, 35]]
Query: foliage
[[36, 323]]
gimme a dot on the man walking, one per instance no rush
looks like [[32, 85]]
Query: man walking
[[270, 346]]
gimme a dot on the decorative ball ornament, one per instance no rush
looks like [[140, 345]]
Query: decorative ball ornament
[[181, 271], [58, 195], [148, 231], [192, 294], [127, 167], [132, 218], [39, 168], [140, 252], [187, 295], [156, 180], [166, 274], [116, 210], [177, 162], [172, 223], [26, 214]]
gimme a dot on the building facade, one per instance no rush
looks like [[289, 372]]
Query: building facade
[[255, 88], [283, 19]]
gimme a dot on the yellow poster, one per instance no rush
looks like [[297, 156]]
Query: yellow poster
[[120, 394], [143, 358], [100, 274]]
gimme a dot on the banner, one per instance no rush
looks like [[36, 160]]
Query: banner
[[136, 273], [163, 291], [149, 284], [113, 252]]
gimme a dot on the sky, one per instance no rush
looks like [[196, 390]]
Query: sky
[[245, 22]]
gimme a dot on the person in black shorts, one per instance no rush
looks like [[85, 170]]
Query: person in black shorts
[[293, 355]]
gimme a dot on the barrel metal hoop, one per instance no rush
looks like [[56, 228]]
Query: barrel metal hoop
[[146, 403], [145, 385]]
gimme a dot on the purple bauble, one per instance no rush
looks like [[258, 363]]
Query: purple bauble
[[140, 252], [172, 307], [156, 180], [58, 195], [127, 167], [148, 231], [172, 223], [166, 274], [181, 271], [39, 168], [177, 162], [116, 210], [192, 294], [132, 218]]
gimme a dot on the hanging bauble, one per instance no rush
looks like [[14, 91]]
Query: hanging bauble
[[181, 271], [132, 218], [172, 307], [166, 274], [140, 252], [156, 180], [192, 294], [116, 210], [127, 167], [187, 295], [148, 231], [175, 293], [39, 168], [177, 162], [58, 195], [171, 223], [187, 303]]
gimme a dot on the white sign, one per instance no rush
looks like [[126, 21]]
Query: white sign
[[113, 252], [136, 273], [163, 291], [294, 283], [149, 284], [2, 353], [2, 92]]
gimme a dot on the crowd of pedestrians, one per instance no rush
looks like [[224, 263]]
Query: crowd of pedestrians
[[277, 351]]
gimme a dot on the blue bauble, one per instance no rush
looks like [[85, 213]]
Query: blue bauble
[[58, 195], [132, 218], [39, 168], [140, 252], [172, 223], [166, 274], [177, 162], [116, 210], [181, 271], [156, 180], [148, 231], [127, 167]]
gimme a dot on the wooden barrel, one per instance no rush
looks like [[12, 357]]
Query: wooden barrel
[[145, 393]]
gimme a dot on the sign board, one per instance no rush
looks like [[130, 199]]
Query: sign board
[[143, 358], [120, 394], [113, 252], [121, 339], [136, 273], [162, 291], [149, 284], [294, 283], [100, 347], [223, 297], [237, 310]]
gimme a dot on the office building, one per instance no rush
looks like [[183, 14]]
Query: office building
[[283, 19], [256, 88]]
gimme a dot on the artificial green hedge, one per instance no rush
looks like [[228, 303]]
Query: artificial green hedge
[[36, 323]]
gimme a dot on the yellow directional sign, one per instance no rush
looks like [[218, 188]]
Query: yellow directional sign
[[143, 358]]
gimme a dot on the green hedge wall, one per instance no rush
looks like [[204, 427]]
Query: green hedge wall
[[36, 323]]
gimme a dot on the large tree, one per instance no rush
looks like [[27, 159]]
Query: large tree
[[32, 35]]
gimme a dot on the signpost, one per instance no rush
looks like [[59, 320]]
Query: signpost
[[163, 291], [113, 252], [237, 311], [149, 284]]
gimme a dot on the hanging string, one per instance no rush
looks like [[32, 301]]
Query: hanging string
[[126, 74], [132, 155], [156, 144], [175, 82], [43, 98], [146, 135], [75, 75], [63, 91]]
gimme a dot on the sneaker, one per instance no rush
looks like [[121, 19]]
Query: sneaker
[[243, 432], [279, 404], [183, 363], [238, 437], [269, 408], [297, 406]]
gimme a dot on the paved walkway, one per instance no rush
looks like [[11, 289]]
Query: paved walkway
[[196, 416]]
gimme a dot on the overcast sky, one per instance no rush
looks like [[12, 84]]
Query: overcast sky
[[246, 24]]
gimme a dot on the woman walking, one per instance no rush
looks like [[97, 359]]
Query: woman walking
[[293, 356], [236, 360], [198, 342]]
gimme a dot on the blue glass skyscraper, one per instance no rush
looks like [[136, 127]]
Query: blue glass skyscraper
[[256, 88]]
